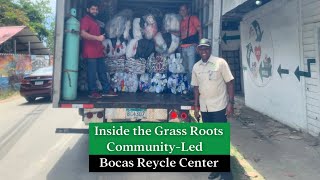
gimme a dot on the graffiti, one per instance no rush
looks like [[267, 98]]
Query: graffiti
[[265, 68], [299, 73], [282, 71], [259, 47], [257, 28], [249, 51], [13, 67]]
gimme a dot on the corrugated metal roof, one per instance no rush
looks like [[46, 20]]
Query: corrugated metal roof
[[23, 35], [9, 31]]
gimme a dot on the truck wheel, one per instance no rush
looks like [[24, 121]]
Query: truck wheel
[[30, 99]]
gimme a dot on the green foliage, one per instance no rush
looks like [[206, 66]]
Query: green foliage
[[33, 14], [50, 39], [11, 14]]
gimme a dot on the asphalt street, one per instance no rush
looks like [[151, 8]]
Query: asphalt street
[[30, 148]]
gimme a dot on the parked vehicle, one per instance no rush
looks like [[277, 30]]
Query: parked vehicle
[[37, 84]]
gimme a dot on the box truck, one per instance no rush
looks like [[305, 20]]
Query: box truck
[[126, 107]]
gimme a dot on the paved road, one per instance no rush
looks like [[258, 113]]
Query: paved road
[[31, 150]]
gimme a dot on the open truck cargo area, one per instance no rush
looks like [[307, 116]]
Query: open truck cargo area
[[175, 105]]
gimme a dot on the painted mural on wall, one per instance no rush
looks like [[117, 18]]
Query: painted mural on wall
[[13, 67], [259, 52]]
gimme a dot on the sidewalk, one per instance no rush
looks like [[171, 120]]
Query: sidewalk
[[276, 151]]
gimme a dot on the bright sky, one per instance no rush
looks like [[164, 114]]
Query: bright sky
[[53, 5]]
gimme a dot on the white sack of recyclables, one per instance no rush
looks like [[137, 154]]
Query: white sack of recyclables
[[117, 51], [137, 30], [125, 82], [175, 64], [174, 44], [132, 48], [120, 48], [158, 83], [177, 85], [161, 46], [150, 27], [145, 82], [116, 81], [126, 34], [131, 82], [116, 26], [108, 49], [171, 22]]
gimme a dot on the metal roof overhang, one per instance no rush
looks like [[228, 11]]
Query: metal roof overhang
[[23, 36], [237, 13], [166, 6]]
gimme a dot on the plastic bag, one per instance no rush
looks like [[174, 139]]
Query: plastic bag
[[172, 42], [117, 82], [157, 64], [120, 48], [132, 48], [144, 83], [161, 46], [137, 30], [131, 82], [108, 48], [156, 13], [175, 63], [175, 41], [171, 22], [117, 50], [158, 83], [178, 84], [145, 48], [126, 34], [150, 26], [115, 28]]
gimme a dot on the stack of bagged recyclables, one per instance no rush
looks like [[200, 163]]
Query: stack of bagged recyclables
[[141, 53]]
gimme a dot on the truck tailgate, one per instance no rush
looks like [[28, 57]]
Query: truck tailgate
[[135, 100]]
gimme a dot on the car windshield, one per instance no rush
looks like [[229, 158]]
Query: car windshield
[[43, 71]]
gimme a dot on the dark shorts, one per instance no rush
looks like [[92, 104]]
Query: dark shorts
[[214, 117]]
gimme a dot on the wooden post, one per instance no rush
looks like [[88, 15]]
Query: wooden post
[[15, 46], [216, 27], [29, 47]]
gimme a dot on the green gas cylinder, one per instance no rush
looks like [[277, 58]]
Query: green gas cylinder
[[71, 57]]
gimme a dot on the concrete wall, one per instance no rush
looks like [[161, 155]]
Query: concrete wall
[[270, 38], [310, 47]]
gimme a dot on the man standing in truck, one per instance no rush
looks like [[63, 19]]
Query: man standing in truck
[[214, 90], [190, 34], [92, 52]]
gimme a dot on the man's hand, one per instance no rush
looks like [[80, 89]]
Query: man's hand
[[196, 113], [101, 38], [230, 110]]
